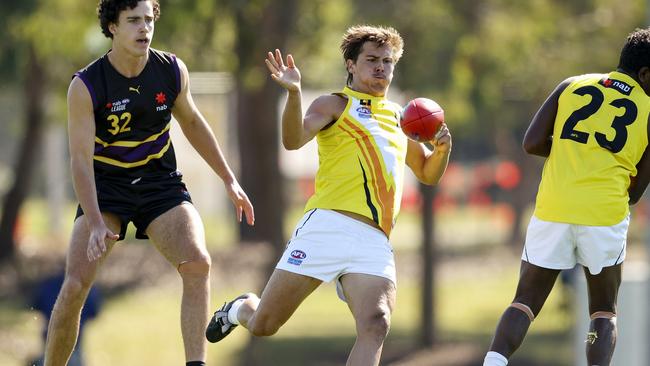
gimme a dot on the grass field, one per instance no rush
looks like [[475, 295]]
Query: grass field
[[142, 326]]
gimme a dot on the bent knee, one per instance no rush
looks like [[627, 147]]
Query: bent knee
[[74, 289], [195, 267], [376, 324]]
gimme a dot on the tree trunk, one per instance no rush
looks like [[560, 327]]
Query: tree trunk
[[428, 330], [26, 158], [257, 130], [257, 105]]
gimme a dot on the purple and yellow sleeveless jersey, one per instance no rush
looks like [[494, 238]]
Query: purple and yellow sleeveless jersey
[[133, 117]]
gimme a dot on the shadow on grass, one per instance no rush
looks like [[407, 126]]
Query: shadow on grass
[[453, 349], [297, 351]]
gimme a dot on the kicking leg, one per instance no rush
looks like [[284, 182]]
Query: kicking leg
[[371, 300], [282, 295], [178, 234], [603, 291], [63, 328], [535, 284]]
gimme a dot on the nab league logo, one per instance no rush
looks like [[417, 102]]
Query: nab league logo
[[621, 86], [296, 257], [118, 105]]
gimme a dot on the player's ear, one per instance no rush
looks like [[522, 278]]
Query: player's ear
[[349, 64], [112, 27]]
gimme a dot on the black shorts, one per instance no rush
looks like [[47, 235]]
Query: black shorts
[[139, 201]]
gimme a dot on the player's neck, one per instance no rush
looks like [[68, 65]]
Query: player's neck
[[635, 77], [368, 91], [127, 64]]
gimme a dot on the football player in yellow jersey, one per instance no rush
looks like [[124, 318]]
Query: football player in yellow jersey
[[593, 130], [343, 236]]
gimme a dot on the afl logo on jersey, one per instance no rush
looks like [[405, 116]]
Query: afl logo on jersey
[[364, 112]]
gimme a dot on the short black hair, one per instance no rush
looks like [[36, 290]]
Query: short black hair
[[636, 51], [108, 11]]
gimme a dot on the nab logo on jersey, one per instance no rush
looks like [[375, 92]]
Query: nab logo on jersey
[[161, 98], [621, 86]]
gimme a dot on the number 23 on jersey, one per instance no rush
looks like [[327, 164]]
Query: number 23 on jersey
[[619, 123]]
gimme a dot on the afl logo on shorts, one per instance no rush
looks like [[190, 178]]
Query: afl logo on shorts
[[296, 257]]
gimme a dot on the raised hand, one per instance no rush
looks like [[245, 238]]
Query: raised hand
[[288, 76]]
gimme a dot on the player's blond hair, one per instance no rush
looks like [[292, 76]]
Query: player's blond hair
[[357, 35]]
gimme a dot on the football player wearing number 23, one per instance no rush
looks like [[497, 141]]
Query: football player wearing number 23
[[593, 132]]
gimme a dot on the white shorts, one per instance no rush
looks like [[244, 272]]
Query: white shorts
[[556, 245], [327, 244]]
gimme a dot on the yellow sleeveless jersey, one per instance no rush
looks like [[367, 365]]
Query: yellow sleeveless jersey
[[599, 136], [361, 160]]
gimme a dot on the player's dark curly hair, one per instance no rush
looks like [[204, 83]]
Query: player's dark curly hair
[[636, 52], [357, 35], [108, 11]]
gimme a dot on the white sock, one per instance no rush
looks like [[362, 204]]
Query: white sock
[[234, 310], [494, 359]]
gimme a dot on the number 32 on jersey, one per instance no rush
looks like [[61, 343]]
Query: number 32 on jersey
[[119, 124]]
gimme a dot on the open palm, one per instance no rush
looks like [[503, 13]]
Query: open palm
[[288, 76]]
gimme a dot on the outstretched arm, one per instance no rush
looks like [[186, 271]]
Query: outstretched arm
[[200, 135], [429, 166], [81, 132], [296, 131], [538, 140]]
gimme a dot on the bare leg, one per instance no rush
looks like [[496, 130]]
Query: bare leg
[[282, 295], [371, 300], [535, 284], [79, 277], [603, 291], [178, 234]]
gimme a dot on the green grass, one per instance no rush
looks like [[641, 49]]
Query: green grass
[[20, 335], [143, 326]]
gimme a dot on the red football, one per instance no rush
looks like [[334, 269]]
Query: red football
[[421, 119]]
